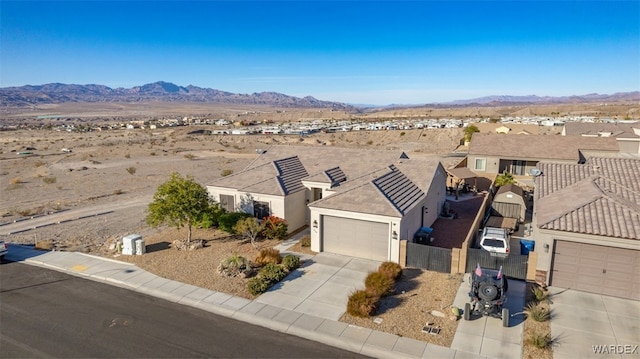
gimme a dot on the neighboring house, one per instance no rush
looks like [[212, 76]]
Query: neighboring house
[[518, 154], [627, 134], [307, 185], [368, 216], [586, 225], [510, 202]]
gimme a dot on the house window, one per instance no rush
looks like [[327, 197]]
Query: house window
[[480, 164], [517, 167], [261, 209], [227, 202]]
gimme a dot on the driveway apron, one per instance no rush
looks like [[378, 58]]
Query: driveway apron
[[321, 286], [587, 325]]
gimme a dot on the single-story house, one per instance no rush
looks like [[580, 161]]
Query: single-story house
[[492, 153], [586, 225], [627, 134], [510, 202], [356, 202]]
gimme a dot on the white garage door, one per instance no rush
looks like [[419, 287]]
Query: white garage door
[[356, 238], [596, 269]]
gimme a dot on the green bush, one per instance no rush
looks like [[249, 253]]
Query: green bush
[[290, 262], [272, 273], [227, 221], [362, 303], [268, 256], [275, 228], [257, 285], [391, 270], [379, 284], [210, 218]]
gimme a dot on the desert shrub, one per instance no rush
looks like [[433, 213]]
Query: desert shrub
[[268, 256], [117, 192], [233, 265], [131, 170], [291, 262], [540, 340], [15, 180], [391, 270], [370, 142], [40, 163], [49, 180], [537, 312], [210, 217], [189, 156], [152, 154], [402, 133], [540, 294], [227, 221], [379, 284], [257, 285], [275, 228], [127, 156], [226, 172], [305, 241], [272, 273], [362, 303]]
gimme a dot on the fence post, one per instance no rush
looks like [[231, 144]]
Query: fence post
[[462, 262], [532, 262], [403, 253], [455, 260]]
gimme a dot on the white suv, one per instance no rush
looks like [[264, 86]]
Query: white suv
[[495, 240]]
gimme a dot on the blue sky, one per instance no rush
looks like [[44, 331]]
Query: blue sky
[[364, 52]]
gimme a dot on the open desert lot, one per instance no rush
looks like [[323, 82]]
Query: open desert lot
[[118, 171]]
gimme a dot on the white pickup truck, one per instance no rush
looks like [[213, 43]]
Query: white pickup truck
[[3, 249]]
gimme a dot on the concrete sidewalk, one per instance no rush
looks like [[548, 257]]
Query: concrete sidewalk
[[313, 327]]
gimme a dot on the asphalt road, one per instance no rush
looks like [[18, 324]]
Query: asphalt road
[[44, 313]]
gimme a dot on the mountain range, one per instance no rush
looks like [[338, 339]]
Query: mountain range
[[161, 91], [158, 91]]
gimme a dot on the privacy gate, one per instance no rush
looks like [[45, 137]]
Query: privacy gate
[[428, 257], [513, 265]]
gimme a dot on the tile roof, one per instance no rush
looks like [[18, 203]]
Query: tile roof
[[620, 130], [389, 191], [551, 147], [280, 178], [600, 197]]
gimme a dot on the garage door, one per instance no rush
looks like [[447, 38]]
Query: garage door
[[356, 238], [596, 269]]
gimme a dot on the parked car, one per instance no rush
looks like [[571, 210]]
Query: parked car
[[3, 250], [495, 240], [488, 295]]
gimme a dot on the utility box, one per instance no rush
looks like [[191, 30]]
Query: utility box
[[129, 244], [140, 246]]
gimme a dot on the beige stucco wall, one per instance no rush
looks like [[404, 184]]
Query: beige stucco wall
[[316, 231]]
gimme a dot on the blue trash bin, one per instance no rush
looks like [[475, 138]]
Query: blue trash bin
[[526, 246]]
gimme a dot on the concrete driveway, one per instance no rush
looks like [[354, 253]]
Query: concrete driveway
[[580, 321], [485, 336], [321, 286]]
